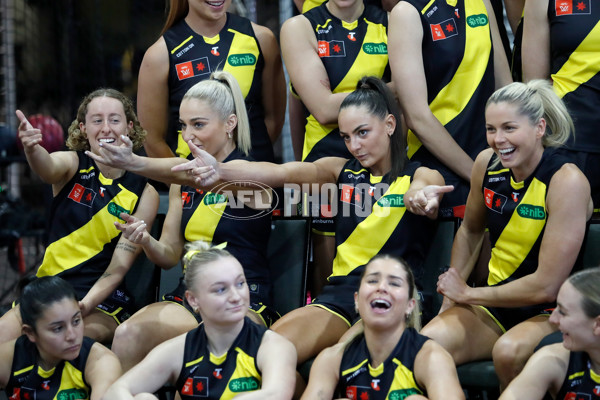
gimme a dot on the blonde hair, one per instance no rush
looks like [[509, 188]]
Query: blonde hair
[[536, 100], [222, 92], [198, 255], [77, 140], [587, 283]]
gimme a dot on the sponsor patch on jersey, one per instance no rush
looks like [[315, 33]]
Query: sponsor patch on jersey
[[241, 60], [391, 200], [82, 195], [572, 7], [195, 387], [530, 211], [494, 201], [348, 194], [477, 20], [247, 384], [187, 200], [189, 69], [443, 30], [333, 48], [69, 394], [402, 393], [116, 210], [578, 396], [375, 48]]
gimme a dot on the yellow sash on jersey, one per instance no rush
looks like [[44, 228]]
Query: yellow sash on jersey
[[204, 221], [455, 96], [364, 65], [581, 66], [404, 381], [68, 252], [371, 234], [518, 236], [245, 377]]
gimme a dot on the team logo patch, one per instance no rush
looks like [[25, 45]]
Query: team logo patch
[[23, 393], [443, 30], [189, 69], [82, 195], [333, 48], [572, 7], [597, 390], [494, 201], [348, 195], [240, 60], [187, 200], [357, 393], [577, 396], [375, 48], [195, 387]]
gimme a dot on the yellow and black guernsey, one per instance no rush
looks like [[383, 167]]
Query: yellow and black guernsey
[[392, 380], [459, 70], [220, 218], [204, 375], [349, 51], [82, 235], [28, 381], [371, 219], [517, 216], [575, 66], [581, 382], [193, 58]]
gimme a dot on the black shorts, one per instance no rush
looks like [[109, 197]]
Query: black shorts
[[337, 296], [118, 306], [267, 314], [507, 318]]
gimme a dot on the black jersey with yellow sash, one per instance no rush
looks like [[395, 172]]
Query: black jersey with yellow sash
[[371, 219], [349, 51], [392, 380], [82, 235], [28, 381], [581, 382], [218, 219], [193, 58], [517, 216], [204, 375], [575, 66], [459, 71]]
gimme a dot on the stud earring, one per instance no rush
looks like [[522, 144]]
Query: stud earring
[[229, 135]]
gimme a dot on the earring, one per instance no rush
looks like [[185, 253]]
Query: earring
[[229, 135]]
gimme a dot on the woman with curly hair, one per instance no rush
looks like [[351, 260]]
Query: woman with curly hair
[[85, 247]]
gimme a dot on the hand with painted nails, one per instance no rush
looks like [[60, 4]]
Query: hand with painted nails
[[29, 136], [134, 229], [116, 155], [426, 201], [204, 167]]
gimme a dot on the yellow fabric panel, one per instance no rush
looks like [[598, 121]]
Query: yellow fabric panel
[[245, 377], [204, 222], [57, 261], [71, 383], [244, 74], [404, 380], [454, 97], [518, 236], [363, 244]]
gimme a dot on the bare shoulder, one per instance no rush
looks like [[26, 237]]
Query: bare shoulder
[[263, 34], [569, 186], [296, 24], [157, 55]]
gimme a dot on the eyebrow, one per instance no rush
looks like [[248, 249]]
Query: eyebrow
[[225, 282], [60, 322]]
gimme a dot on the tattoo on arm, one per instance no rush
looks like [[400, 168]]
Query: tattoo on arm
[[127, 247]]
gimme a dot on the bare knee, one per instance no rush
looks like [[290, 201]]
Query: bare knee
[[510, 355], [126, 336]]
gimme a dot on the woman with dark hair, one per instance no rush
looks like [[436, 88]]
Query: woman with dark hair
[[571, 369], [227, 355], [535, 205], [377, 189], [89, 198], [198, 38], [389, 359], [53, 359]]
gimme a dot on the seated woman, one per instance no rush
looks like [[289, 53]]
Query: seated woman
[[85, 248], [212, 115], [53, 360], [400, 361], [377, 188], [535, 205], [225, 356], [568, 370]]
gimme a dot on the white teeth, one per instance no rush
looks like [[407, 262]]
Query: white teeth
[[215, 3], [380, 303], [106, 140], [506, 151]]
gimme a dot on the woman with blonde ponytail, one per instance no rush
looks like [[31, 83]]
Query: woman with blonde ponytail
[[535, 205], [388, 358]]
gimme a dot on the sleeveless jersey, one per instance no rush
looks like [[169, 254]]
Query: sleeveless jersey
[[29, 381], [517, 215], [393, 379], [214, 218], [82, 235], [459, 70], [581, 382], [193, 58], [575, 66], [348, 51], [204, 375], [371, 219]]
